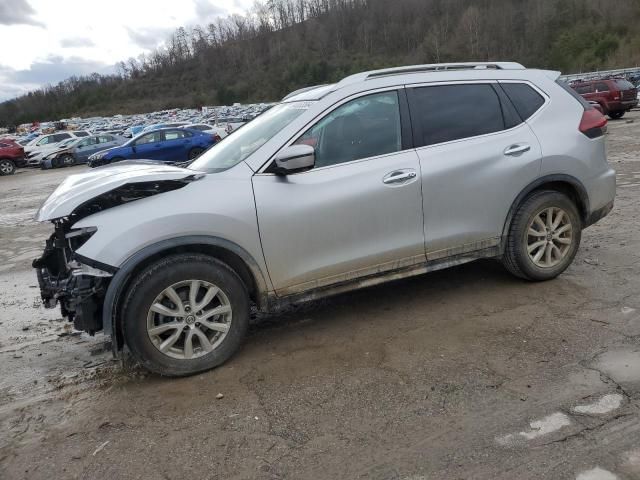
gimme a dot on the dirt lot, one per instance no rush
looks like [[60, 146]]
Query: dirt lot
[[466, 373]]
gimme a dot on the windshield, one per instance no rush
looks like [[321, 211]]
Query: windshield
[[236, 147]]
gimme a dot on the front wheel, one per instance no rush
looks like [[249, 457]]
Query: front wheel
[[617, 115], [544, 236], [185, 314], [7, 167]]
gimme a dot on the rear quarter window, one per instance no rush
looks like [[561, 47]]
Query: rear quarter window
[[526, 100]]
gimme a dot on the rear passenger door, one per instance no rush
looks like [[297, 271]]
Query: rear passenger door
[[176, 145], [476, 155]]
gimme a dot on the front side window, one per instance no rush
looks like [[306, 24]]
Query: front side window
[[151, 137], [45, 140], [453, 112], [105, 139], [365, 127]]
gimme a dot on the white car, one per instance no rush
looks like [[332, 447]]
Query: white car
[[49, 142]]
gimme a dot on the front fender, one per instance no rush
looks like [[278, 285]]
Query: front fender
[[127, 269]]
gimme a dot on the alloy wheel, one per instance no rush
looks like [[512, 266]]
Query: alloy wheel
[[189, 319], [549, 237]]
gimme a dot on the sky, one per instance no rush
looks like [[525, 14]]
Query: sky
[[46, 41]]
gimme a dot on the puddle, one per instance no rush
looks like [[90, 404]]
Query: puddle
[[538, 428], [621, 365], [606, 404], [597, 474]]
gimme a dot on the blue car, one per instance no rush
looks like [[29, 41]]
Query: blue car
[[166, 145]]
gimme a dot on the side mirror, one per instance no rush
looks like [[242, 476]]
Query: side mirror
[[295, 158]]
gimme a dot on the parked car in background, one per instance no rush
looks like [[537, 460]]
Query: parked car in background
[[167, 145], [158, 126], [79, 150], [616, 96], [11, 157], [47, 142], [414, 169]]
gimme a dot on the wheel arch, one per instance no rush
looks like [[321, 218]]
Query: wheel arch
[[570, 186], [238, 259]]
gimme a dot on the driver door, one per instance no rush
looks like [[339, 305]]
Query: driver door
[[358, 212]]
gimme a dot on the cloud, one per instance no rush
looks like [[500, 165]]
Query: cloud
[[149, 38], [205, 10], [17, 12], [79, 42], [51, 70]]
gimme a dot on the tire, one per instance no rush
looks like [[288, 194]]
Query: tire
[[178, 271], [517, 259], [67, 161], [195, 153], [7, 167], [617, 115]]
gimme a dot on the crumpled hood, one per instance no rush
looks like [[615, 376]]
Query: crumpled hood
[[79, 188]]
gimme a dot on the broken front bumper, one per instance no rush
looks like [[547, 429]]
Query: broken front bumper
[[64, 278]]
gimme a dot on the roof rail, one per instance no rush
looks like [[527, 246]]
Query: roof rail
[[433, 67], [302, 90]]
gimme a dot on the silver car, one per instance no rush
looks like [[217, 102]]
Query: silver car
[[384, 175]]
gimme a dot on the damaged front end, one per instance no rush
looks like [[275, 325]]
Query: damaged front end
[[78, 283], [69, 279]]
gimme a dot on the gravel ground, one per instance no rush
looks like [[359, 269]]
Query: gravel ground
[[461, 374]]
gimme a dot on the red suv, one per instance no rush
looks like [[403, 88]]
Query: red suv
[[11, 156], [616, 96]]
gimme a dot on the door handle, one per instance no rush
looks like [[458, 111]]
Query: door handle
[[399, 176], [515, 150]]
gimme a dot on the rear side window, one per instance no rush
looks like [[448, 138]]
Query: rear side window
[[174, 135], [582, 89], [451, 112], [602, 87], [61, 136]]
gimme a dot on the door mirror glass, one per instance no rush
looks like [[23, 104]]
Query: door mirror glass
[[295, 158]]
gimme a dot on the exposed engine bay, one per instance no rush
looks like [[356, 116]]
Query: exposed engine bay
[[78, 283]]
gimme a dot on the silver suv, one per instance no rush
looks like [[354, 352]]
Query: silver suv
[[384, 175]]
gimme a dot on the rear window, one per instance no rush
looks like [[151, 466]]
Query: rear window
[[624, 84], [574, 94], [526, 100], [454, 112]]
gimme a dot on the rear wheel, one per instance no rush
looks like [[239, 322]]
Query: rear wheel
[[185, 314], [7, 167], [617, 115], [195, 153], [544, 236]]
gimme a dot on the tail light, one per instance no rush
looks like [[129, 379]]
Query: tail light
[[593, 123]]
